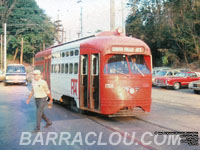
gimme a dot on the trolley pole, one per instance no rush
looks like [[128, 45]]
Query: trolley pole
[[5, 52], [112, 15]]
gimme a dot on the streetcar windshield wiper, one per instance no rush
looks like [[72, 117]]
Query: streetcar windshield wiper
[[122, 73], [139, 70]]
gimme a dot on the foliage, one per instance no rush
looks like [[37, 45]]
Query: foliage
[[26, 20], [167, 24]]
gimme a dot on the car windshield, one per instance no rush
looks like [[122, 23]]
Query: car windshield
[[181, 74], [162, 73], [155, 72], [16, 69]]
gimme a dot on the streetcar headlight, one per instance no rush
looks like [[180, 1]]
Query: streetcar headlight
[[119, 30], [132, 91]]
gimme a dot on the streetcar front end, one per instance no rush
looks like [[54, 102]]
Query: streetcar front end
[[126, 81]]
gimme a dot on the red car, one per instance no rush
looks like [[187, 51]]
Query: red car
[[179, 80]]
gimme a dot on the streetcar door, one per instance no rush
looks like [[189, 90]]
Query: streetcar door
[[84, 81], [94, 81]]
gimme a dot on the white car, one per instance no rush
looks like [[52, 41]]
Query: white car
[[195, 85], [15, 73]]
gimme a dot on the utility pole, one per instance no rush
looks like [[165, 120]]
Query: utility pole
[[123, 20], [22, 49], [81, 18], [65, 36], [1, 52], [62, 34], [5, 51], [58, 25], [112, 15]]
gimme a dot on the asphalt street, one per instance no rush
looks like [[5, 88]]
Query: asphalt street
[[171, 111]]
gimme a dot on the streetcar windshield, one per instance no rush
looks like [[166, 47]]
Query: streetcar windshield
[[116, 64], [138, 64]]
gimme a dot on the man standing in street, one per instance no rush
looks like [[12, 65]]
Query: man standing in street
[[40, 91]]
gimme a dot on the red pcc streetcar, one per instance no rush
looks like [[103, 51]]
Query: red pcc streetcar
[[108, 73]]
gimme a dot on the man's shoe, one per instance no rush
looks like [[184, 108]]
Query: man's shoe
[[47, 125], [36, 130]]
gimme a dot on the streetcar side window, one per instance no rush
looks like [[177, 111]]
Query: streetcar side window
[[71, 53], [76, 52], [55, 68], [66, 68], [39, 58], [70, 68], [58, 68], [84, 64], [52, 68], [67, 54], [63, 54], [62, 68], [95, 64], [76, 68]]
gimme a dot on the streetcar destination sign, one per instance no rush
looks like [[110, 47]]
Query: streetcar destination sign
[[128, 49]]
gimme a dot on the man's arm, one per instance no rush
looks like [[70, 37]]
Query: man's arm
[[29, 97], [51, 99], [46, 89]]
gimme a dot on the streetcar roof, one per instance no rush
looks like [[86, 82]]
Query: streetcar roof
[[101, 41]]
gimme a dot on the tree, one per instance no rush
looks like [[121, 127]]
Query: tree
[[27, 20], [169, 25]]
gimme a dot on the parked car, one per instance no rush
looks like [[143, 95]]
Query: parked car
[[195, 85], [157, 69], [15, 73], [179, 80], [165, 73], [2, 75]]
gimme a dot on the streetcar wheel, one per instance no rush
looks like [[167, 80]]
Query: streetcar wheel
[[176, 86], [196, 92]]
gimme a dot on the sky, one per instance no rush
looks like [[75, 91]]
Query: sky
[[95, 15]]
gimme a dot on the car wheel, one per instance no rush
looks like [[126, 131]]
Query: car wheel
[[196, 92], [176, 86]]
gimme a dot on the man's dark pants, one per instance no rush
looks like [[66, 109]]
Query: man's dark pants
[[41, 104]]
